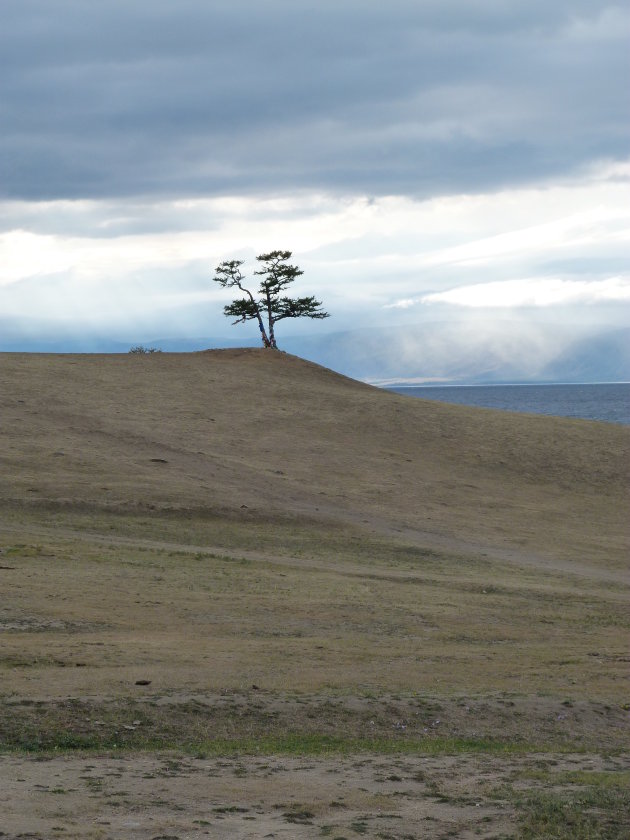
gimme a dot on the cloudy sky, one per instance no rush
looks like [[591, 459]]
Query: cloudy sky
[[442, 160]]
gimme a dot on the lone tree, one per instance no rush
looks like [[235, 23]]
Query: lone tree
[[267, 305]]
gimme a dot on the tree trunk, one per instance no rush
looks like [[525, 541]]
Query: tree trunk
[[272, 336], [263, 334]]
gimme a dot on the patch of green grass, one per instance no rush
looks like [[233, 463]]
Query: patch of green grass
[[298, 744], [586, 778], [54, 742], [73, 725], [602, 779], [22, 550], [299, 816], [291, 744], [595, 813]]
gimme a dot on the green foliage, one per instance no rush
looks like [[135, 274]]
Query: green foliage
[[268, 304], [139, 349], [589, 813]]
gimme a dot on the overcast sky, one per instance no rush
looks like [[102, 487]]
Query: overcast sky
[[435, 160]]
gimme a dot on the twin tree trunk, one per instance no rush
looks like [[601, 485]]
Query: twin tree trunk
[[267, 304]]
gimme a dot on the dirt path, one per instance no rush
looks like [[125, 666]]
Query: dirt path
[[376, 528]]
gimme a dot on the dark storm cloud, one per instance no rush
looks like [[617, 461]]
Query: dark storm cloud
[[183, 98]]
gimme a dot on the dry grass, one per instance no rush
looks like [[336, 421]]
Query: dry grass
[[299, 563], [282, 435], [334, 612]]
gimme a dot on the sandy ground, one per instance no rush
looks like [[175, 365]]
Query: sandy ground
[[170, 796]]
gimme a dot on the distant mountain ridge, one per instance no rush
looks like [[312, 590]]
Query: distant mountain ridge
[[601, 358], [459, 354], [442, 353]]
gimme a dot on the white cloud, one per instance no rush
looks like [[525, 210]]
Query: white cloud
[[586, 227], [405, 303], [360, 254], [23, 254], [534, 291]]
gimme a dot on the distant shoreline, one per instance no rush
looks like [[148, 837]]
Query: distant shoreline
[[398, 383], [607, 402]]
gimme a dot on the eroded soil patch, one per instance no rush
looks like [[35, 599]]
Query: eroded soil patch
[[175, 796]]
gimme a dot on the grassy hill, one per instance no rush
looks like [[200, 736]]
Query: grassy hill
[[238, 552], [267, 433]]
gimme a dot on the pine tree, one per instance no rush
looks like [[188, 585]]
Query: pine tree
[[268, 304]]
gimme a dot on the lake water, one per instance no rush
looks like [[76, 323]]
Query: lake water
[[607, 402]]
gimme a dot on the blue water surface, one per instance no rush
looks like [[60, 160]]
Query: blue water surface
[[607, 402]]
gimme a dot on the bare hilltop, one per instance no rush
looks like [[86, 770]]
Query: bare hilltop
[[239, 559]]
